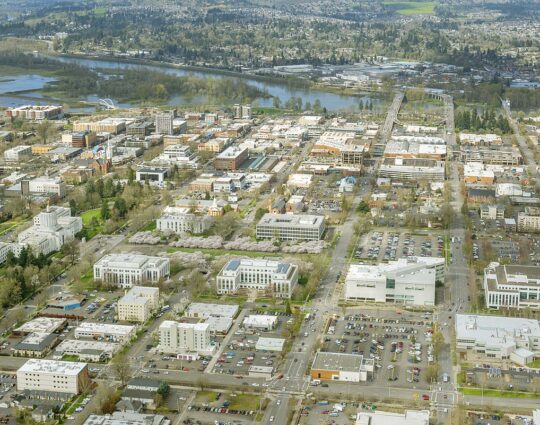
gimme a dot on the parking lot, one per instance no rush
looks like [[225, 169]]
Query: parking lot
[[383, 246], [402, 351], [518, 379]]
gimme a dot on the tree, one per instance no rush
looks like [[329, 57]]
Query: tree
[[106, 398], [432, 372], [276, 102], [72, 250], [105, 212], [122, 367], [45, 130], [120, 207], [363, 208]]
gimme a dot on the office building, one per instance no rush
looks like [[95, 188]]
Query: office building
[[45, 325], [512, 286], [152, 173], [263, 322], [529, 220], [412, 169], [164, 122], [110, 125], [231, 158], [405, 281], [498, 337], [410, 417], [37, 345], [291, 227], [242, 111], [6, 248], [18, 153], [44, 185], [139, 130], [53, 376], [178, 338], [126, 270], [35, 112], [138, 304], [179, 155], [206, 310], [341, 367], [273, 277], [127, 418], [90, 351], [183, 220], [51, 230], [491, 212], [105, 331], [80, 139]]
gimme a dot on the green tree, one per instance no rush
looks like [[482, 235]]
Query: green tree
[[105, 212]]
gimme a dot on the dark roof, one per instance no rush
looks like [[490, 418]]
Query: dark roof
[[485, 193], [128, 394], [144, 382], [43, 344]]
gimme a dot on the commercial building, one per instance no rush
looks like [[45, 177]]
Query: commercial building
[[35, 345], [52, 228], [265, 372], [274, 277], [108, 125], [512, 286], [412, 169], [416, 147], [18, 153], [138, 304], [205, 310], [529, 220], [291, 227], [126, 270], [179, 155], [152, 173], [127, 418], [495, 155], [44, 185], [410, 417], [80, 139], [270, 344], [35, 112], [260, 321], [498, 337], [139, 130], [480, 139], [53, 376], [42, 325], [91, 351], [41, 149], [405, 281], [300, 180], [183, 220], [104, 331], [341, 367], [164, 122], [339, 146], [178, 338], [231, 158], [476, 172]]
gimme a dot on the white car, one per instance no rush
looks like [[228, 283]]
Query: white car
[[278, 402], [271, 419]]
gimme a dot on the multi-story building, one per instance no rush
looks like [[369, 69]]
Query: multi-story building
[[491, 212], [183, 220], [152, 173], [495, 155], [18, 153], [53, 376], [291, 227], [412, 169], [275, 277], [512, 286], [476, 172], [416, 147], [80, 139], [126, 270], [139, 130], [242, 111], [498, 337], [231, 158], [179, 338], [44, 185], [105, 331], [138, 304], [179, 155], [51, 230], [405, 281], [164, 122], [108, 125], [529, 220], [35, 112]]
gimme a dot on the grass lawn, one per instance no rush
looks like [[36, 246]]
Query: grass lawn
[[535, 364], [76, 403], [6, 226], [205, 397], [245, 402], [497, 393], [70, 358], [87, 217], [412, 7]]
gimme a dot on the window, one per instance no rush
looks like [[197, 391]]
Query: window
[[390, 283]]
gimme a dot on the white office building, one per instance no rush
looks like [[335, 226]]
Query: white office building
[[405, 281], [179, 338], [54, 376], [275, 277], [138, 304], [206, 310], [512, 286], [126, 270], [183, 220], [105, 331], [498, 337], [180, 155], [51, 230], [47, 185], [410, 417], [18, 153], [291, 227], [264, 322]]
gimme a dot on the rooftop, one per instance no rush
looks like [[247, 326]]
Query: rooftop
[[490, 328], [337, 361], [205, 310], [41, 325], [52, 366], [292, 220], [410, 417]]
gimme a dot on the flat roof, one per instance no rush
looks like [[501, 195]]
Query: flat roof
[[126, 261], [492, 328], [207, 309], [78, 345], [37, 341], [271, 343], [337, 361], [105, 328], [410, 417], [291, 220], [41, 325], [52, 367]]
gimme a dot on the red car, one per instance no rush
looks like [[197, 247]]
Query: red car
[[425, 397]]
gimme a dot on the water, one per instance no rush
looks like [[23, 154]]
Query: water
[[331, 101]]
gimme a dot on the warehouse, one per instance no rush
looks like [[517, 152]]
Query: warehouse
[[270, 344]]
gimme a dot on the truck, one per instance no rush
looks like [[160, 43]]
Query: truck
[[315, 382], [323, 403]]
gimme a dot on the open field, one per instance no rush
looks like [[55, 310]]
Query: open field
[[412, 7]]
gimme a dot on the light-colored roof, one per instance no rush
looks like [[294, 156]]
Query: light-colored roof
[[205, 310], [41, 324], [105, 328], [410, 417], [52, 367]]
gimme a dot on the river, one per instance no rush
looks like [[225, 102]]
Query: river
[[31, 83]]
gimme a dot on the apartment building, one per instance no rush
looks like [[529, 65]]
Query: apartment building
[[405, 281], [126, 270], [35, 112], [53, 376], [275, 277], [512, 286], [138, 304], [491, 212], [108, 125], [179, 338], [529, 220], [291, 227]]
